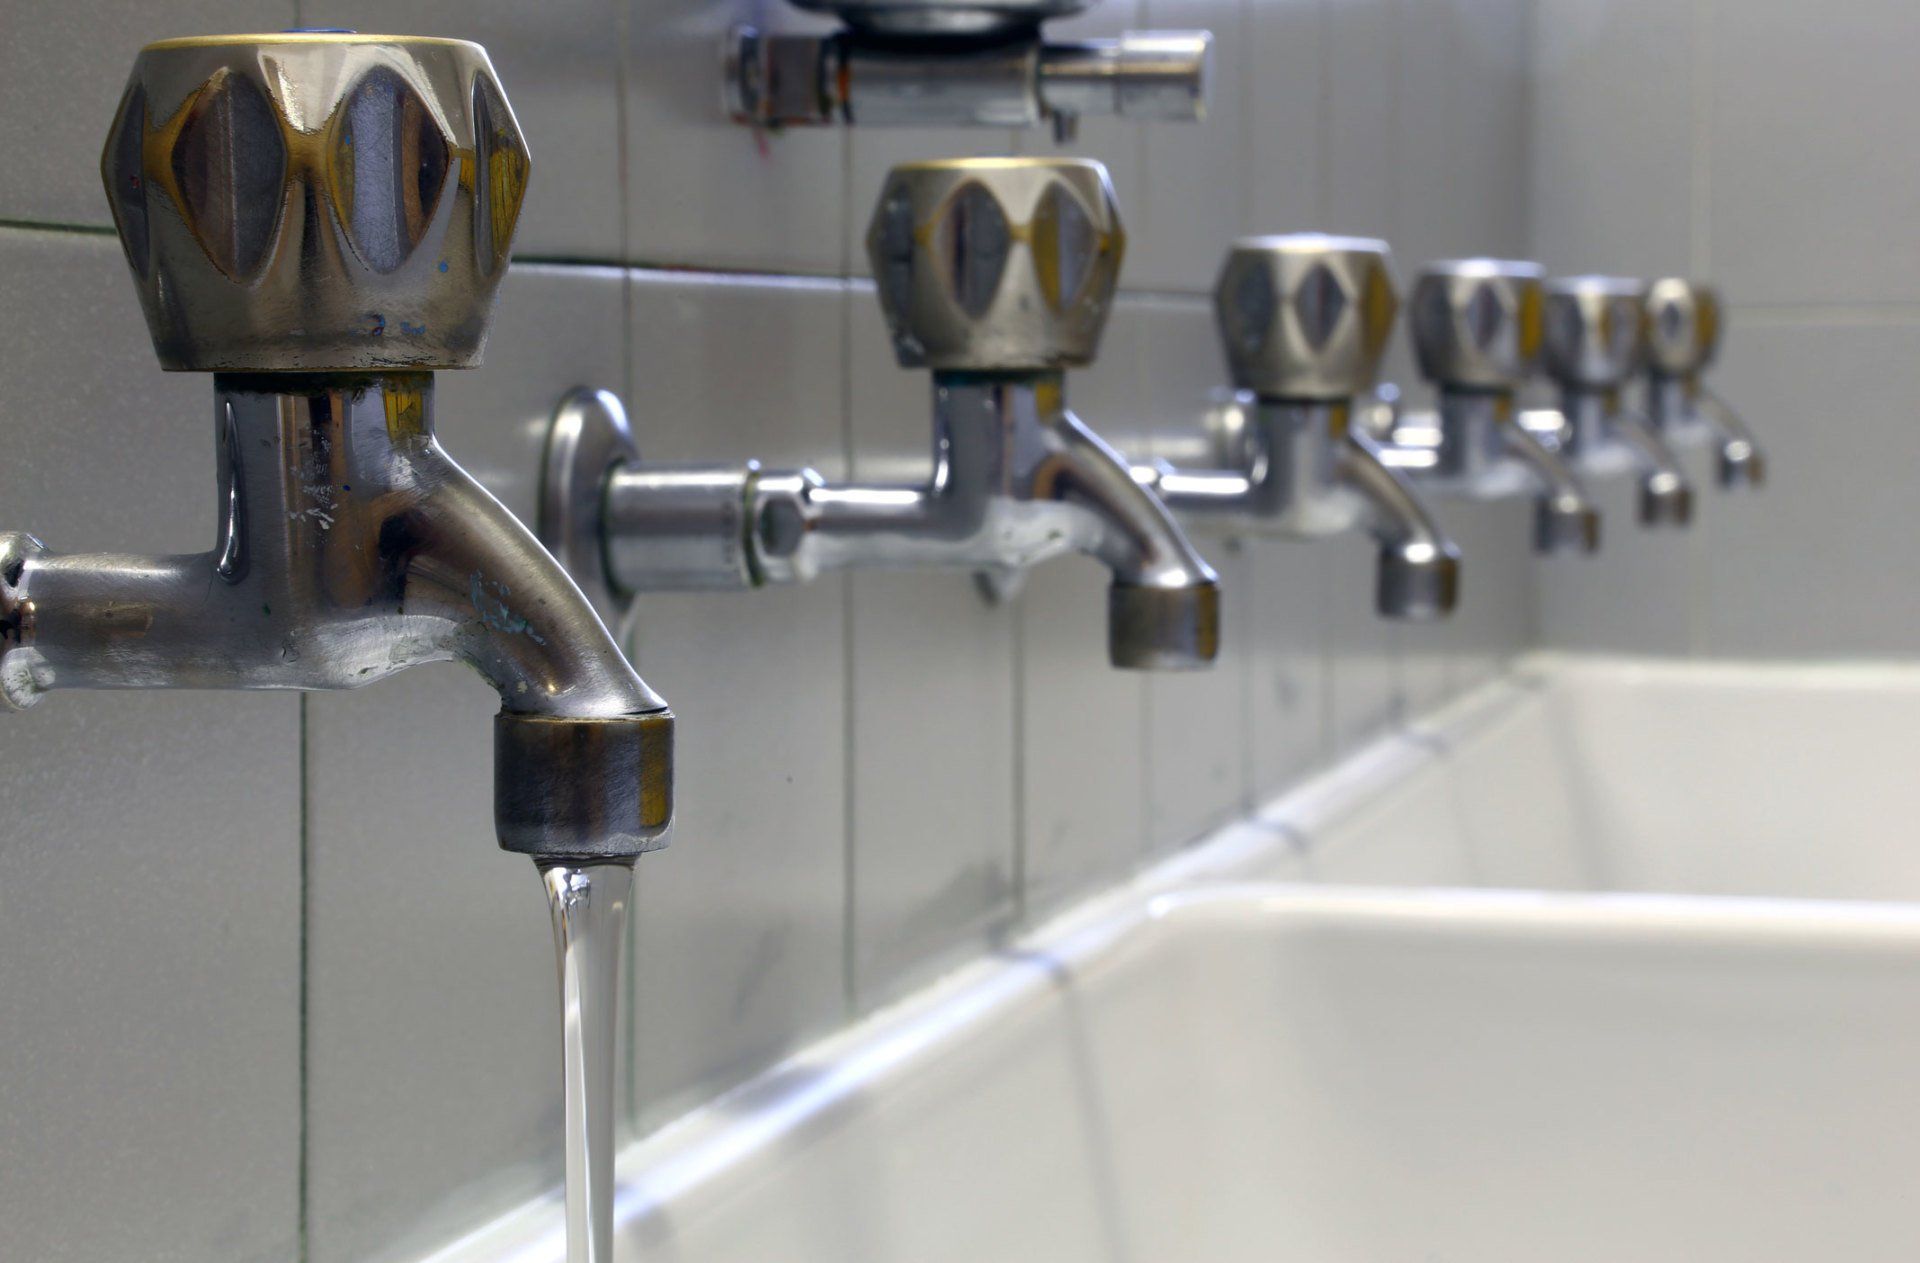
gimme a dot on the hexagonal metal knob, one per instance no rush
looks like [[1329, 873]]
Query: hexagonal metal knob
[[1476, 323], [1683, 326], [1305, 316], [315, 202], [1594, 336], [996, 264]]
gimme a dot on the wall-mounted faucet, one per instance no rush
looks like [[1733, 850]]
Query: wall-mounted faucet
[[1304, 319], [1594, 341], [997, 274], [1683, 335], [1476, 333], [959, 63], [320, 221]]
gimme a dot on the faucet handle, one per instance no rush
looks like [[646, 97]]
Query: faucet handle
[[1683, 326], [315, 201], [1305, 316], [1476, 323], [1594, 334], [996, 264]]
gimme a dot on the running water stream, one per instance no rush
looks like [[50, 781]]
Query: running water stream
[[589, 901]]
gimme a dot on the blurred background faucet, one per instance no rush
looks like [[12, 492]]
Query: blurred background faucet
[[1683, 336], [1476, 335], [997, 274], [1304, 319], [959, 63], [1594, 341]]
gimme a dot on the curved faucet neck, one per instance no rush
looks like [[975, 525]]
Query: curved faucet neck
[[1471, 441], [351, 548], [1588, 414], [337, 502], [1672, 402]]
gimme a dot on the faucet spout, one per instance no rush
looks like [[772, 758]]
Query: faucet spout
[[1163, 609], [1666, 497], [1603, 436], [1304, 470], [1741, 463], [1565, 517], [351, 547], [1015, 480], [1419, 571]]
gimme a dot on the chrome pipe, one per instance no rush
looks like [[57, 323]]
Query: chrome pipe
[[997, 75], [1015, 479]]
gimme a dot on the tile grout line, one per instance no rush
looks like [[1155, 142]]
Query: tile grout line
[[1017, 693], [303, 1191], [1396, 49], [1700, 123], [849, 885], [1329, 678], [622, 166], [1817, 313], [657, 267], [303, 1195], [1249, 120], [1323, 125], [9, 223], [1250, 617], [1700, 256]]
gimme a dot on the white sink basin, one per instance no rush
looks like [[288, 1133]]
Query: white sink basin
[[1215, 1065], [1585, 774], [1271, 1073]]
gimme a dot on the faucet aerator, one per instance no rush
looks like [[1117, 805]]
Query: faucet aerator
[[1163, 629], [1417, 583], [1560, 526], [1742, 465], [1665, 502]]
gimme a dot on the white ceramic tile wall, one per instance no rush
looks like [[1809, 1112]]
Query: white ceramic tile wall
[[63, 67], [754, 887], [1609, 153], [1082, 739], [150, 859], [1196, 722], [703, 192], [878, 775], [1752, 148], [1197, 187], [933, 854]]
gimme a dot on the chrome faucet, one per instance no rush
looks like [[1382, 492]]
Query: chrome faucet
[[1476, 334], [1594, 340], [320, 221], [1683, 336], [997, 274], [959, 63], [1304, 319]]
